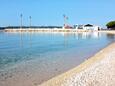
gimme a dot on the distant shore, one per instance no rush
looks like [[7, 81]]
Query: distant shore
[[99, 70], [44, 30], [55, 30]]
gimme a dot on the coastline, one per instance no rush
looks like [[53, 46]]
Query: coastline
[[96, 71], [45, 30], [55, 30]]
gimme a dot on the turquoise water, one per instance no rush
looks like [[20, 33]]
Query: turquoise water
[[74, 47]]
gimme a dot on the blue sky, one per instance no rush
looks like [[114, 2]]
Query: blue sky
[[50, 12]]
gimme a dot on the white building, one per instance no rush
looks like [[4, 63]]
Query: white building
[[87, 27]]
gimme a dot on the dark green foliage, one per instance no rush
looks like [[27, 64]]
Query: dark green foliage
[[111, 24]]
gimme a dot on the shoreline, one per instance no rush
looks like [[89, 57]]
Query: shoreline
[[46, 30], [55, 30], [85, 73]]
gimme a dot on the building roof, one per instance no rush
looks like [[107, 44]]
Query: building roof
[[88, 25]]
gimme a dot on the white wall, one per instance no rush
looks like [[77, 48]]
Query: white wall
[[91, 28]]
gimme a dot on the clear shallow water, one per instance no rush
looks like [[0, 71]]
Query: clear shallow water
[[38, 57], [20, 47]]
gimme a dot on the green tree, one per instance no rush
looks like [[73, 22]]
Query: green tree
[[111, 24]]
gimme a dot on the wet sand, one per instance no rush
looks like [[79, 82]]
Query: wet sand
[[99, 70]]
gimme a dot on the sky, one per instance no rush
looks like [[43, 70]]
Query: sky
[[50, 12]]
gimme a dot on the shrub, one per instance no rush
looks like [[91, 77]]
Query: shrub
[[111, 24]]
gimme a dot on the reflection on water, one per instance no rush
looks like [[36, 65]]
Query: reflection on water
[[28, 46], [109, 36], [87, 35], [21, 40], [29, 39], [30, 36], [84, 35]]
